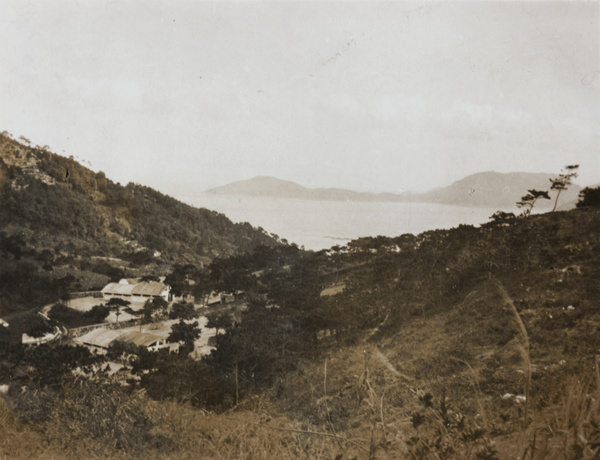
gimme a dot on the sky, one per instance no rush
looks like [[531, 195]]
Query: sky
[[373, 96]]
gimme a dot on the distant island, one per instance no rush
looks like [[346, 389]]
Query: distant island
[[485, 189]]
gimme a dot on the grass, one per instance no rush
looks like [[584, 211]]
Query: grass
[[385, 399], [431, 388]]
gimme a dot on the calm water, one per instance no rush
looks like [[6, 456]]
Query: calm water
[[322, 224]]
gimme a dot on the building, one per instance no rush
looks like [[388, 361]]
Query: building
[[104, 338], [135, 290], [143, 339]]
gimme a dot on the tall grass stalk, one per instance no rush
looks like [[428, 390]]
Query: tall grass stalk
[[475, 382], [523, 346]]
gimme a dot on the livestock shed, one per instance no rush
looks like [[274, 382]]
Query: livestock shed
[[143, 339], [135, 290], [104, 338], [99, 338]]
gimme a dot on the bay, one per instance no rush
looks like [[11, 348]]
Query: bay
[[321, 224]]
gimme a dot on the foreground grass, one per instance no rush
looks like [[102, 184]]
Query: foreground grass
[[498, 369], [436, 389], [366, 416]]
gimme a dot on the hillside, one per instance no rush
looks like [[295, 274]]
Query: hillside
[[467, 343], [486, 189], [56, 213]]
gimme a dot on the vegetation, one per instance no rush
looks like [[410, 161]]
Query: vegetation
[[219, 321], [528, 201], [589, 196], [83, 221], [155, 309], [475, 343], [563, 181], [451, 343], [182, 310], [117, 305], [73, 318], [185, 334]]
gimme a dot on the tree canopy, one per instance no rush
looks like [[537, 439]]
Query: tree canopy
[[563, 181], [185, 334]]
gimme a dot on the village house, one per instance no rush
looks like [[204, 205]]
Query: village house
[[135, 290]]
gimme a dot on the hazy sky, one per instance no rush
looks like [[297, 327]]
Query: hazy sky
[[183, 96]]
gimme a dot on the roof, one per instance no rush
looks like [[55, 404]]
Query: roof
[[106, 337], [138, 338], [100, 337], [145, 288]]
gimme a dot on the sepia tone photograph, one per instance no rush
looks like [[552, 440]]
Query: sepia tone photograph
[[271, 229]]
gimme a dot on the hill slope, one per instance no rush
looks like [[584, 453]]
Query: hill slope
[[55, 212], [467, 343]]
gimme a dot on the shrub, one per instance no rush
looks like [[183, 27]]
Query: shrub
[[104, 412], [589, 197]]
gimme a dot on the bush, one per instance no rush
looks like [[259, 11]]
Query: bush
[[182, 311], [104, 412], [589, 197]]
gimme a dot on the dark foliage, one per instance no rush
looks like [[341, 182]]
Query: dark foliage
[[219, 321], [184, 333], [182, 310], [74, 318], [589, 197], [49, 217], [155, 308], [106, 412]]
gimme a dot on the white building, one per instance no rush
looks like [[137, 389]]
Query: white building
[[136, 291]]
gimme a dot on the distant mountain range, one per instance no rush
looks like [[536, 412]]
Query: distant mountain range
[[486, 189], [264, 186]]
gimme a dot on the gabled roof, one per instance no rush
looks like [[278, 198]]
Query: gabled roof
[[106, 337], [143, 339], [145, 288], [99, 337]]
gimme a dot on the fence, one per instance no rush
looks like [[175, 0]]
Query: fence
[[79, 331], [79, 295]]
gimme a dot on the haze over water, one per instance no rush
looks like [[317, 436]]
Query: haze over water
[[321, 224]]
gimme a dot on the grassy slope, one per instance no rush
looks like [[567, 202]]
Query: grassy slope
[[428, 380], [471, 349]]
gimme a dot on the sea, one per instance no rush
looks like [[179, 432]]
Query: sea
[[317, 225]]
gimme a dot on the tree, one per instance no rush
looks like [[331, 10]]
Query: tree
[[146, 278], [501, 218], [180, 279], [202, 288], [153, 305], [64, 286], [185, 333], [97, 314], [115, 304], [38, 326], [219, 321], [563, 181], [182, 311], [589, 197], [528, 201]]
